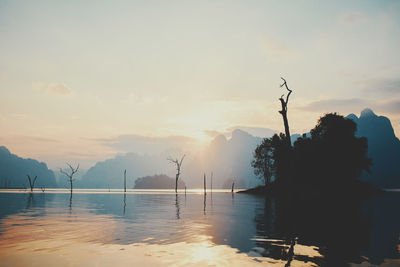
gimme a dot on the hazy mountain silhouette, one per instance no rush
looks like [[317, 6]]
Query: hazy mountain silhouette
[[160, 181], [228, 159], [383, 148], [13, 171], [110, 173]]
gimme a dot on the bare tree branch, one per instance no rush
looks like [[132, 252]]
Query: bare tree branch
[[31, 184], [283, 112], [178, 169], [70, 174]]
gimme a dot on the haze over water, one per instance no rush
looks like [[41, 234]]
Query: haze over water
[[153, 227]]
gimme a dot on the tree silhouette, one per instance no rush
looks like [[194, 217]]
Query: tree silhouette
[[263, 162], [31, 183], [70, 174], [178, 170], [333, 155], [283, 112], [332, 158]]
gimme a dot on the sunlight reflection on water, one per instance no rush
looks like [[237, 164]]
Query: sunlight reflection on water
[[78, 240], [149, 227]]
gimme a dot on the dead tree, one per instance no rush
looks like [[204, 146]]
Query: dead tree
[[70, 175], [178, 170], [205, 188], [283, 112], [125, 181], [31, 183]]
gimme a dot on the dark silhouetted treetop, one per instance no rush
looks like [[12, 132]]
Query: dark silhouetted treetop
[[331, 157]]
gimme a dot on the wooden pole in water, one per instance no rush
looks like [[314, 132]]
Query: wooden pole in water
[[233, 185], [185, 190], [205, 193], [125, 180]]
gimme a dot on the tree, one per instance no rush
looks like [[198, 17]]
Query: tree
[[178, 169], [283, 112], [263, 160], [272, 158], [70, 175], [333, 155], [32, 183]]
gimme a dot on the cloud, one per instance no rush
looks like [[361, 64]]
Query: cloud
[[148, 145], [351, 18], [391, 106], [330, 105], [385, 87], [24, 138], [52, 88], [212, 133], [276, 49]]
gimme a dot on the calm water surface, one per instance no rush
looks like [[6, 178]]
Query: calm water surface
[[157, 227]]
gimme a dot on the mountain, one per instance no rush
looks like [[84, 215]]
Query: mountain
[[14, 171], [110, 173], [228, 160], [383, 148], [160, 181]]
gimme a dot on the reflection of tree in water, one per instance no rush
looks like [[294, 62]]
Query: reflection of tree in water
[[30, 200], [337, 227], [177, 207]]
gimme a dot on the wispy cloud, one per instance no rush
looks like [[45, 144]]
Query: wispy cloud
[[391, 106], [144, 144], [380, 87], [276, 49], [328, 105], [351, 18], [52, 88], [25, 138], [212, 133]]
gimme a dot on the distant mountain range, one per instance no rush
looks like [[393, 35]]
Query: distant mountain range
[[14, 171], [160, 181], [228, 159]]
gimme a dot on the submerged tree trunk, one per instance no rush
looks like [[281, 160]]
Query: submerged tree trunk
[[205, 192], [125, 181], [32, 183], [176, 182], [70, 175], [178, 170]]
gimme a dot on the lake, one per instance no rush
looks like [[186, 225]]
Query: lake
[[160, 228]]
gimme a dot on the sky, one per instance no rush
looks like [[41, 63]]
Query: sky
[[77, 76]]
